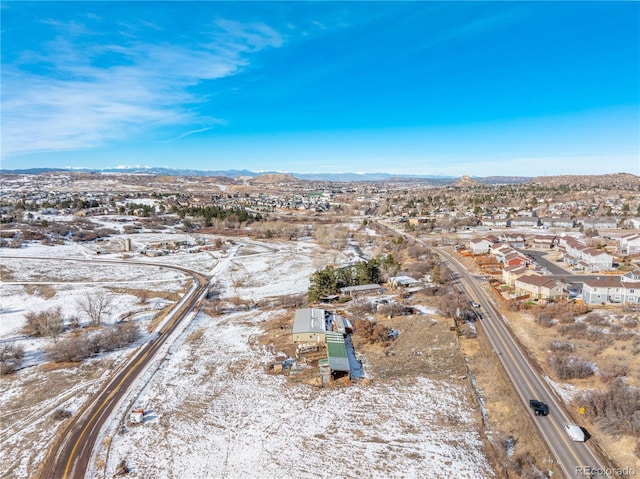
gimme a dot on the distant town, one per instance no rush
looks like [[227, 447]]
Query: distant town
[[490, 323]]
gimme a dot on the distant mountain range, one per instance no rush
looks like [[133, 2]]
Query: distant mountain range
[[339, 177]]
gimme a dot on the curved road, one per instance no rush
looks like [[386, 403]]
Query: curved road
[[71, 455], [575, 459]]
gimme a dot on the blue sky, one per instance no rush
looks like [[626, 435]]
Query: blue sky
[[431, 88]]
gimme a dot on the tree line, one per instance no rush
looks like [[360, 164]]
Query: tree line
[[329, 280]]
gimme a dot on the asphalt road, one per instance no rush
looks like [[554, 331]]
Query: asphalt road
[[572, 458], [552, 267], [71, 454]]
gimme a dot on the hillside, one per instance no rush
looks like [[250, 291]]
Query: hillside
[[465, 182], [273, 178], [617, 180]]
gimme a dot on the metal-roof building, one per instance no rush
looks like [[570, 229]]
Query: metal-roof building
[[309, 326], [337, 351], [362, 288]]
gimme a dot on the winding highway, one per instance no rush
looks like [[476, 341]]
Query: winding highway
[[575, 459], [71, 454]]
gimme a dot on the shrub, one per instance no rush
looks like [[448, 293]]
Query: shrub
[[10, 357], [72, 350], [573, 330], [60, 414], [616, 409], [45, 323], [614, 372], [595, 319], [392, 309], [115, 337], [362, 306], [561, 346], [372, 332], [570, 366], [543, 318]]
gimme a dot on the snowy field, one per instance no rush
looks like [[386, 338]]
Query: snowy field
[[213, 412], [211, 409]]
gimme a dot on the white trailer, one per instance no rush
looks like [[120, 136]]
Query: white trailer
[[574, 431], [136, 416]]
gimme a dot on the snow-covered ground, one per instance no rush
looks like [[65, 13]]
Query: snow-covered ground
[[211, 408], [212, 411]]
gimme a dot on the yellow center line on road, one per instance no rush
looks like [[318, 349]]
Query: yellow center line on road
[[517, 365], [102, 406]]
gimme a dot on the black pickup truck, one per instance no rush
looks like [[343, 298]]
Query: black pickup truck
[[539, 408]]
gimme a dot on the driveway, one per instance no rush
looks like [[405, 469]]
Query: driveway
[[551, 266]]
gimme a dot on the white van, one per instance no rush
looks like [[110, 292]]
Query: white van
[[574, 431]]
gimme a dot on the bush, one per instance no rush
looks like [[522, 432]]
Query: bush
[[60, 414], [115, 337], [543, 318], [392, 309], [573, 330], [616, 409], [570, 366], [45, 323], [10, 357], [595, 319], [561, 346], [614, 372], [372, 332], [362, 306], [71, 350], [563, 312]]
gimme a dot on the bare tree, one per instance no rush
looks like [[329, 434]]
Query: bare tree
[[96, 306], [45, 323], [52, 323]]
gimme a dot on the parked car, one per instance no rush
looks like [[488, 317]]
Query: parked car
[[574, 431], [539, 408], [474, 304]]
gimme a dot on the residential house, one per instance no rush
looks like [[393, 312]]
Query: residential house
[[584, 257], [543, 241], [538, 287], [513, 240], [480, 245], [402, 282], [511, 273], [516, 259], [623, 289], [629, 244], [559, 222], [600, 223], [496, 221], [597, 260], [633, 223], [524, 222]]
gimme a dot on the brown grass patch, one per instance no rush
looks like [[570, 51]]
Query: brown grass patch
[[51, 366], [5, 273], [41, 290], [196, 335], [145, 294], [162, 314]]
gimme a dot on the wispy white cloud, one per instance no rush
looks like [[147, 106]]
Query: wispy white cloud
[[468, 30], [85, 93], [189, 133]]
